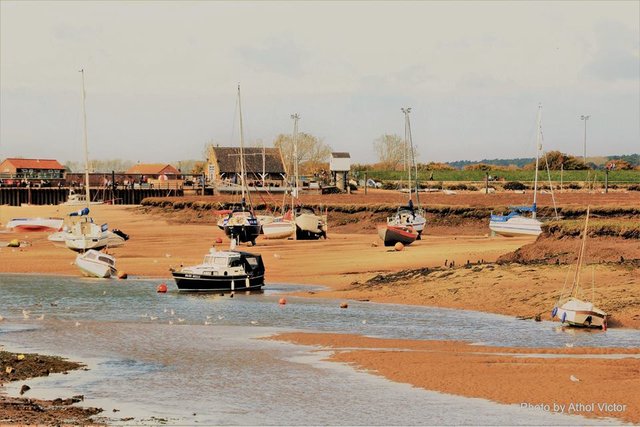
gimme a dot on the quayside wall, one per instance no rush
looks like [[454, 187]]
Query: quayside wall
[[16, 196]]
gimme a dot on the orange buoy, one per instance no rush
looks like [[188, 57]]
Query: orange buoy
[[219, 240], [282, 301], [344, 305], [122, 274], [398, 246], [162, 288]]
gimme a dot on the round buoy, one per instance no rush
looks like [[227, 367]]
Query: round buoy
[[398, 246], [162, 288], [344, 305], [219, 240], [15, 243], [122, 274], [282, 301]]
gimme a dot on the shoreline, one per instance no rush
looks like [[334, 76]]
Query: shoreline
[[499, 374]]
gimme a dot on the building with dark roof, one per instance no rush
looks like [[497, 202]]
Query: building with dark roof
[[261, 165]]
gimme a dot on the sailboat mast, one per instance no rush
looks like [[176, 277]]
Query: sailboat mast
[[295, 118], [407, 135], [242, 171], [84, 139], [576, 277], [538, 148], [413, 157]]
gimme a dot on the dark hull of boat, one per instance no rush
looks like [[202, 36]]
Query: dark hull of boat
[[204, 283], [244, 233], [392, 235], [308, 235]]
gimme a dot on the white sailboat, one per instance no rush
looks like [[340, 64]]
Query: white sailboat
[[575, 311], [84, 234], [93, 263], [408, 216], [514, 223]]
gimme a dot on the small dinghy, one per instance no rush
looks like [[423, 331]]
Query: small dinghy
[[94, 263]]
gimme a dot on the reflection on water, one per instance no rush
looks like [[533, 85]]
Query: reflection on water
[[174, 355]]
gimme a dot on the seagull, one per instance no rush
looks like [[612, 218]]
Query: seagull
[[173, 313], [25, 313], [180, 319], [171, 322], [104, 292], [574, 379], [254, 322], [41, 317], [276, 255], [364, 322], [77, 323], [207, 323], [208, 317], [569, 345], [165, 309], [153, 318], [220, 317]]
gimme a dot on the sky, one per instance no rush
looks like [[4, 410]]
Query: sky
[[161, 77]]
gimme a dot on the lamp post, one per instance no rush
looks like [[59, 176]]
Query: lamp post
[[585, 118]]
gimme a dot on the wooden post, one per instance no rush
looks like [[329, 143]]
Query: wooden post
[[606, 181], [365, 182], [486, 183]]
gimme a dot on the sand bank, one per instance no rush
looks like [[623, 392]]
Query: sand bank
[[601, 387]]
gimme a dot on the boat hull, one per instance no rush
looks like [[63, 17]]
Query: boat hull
[[94, 268], [391, 235], [310, 227], [36, 224], [189, 282], [243, 233], [581, 314], [516, 226], [278, 230]]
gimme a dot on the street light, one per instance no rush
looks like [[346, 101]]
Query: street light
[[585, 118]]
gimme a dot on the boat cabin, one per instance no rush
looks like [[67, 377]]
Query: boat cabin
[[100, 257], [228, 263]]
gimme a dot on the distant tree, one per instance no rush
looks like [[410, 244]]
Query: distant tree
[[478, 167], [435, 166], [311, 152], [198, 167], [557, 161], [390, 150]]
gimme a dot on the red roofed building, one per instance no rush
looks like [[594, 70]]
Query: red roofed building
[[13, 170], [153, 170]]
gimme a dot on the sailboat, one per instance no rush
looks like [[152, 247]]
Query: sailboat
[[515, 223], [84, 233], [241, 224], [572, 310], [408, 221], [309, 225]]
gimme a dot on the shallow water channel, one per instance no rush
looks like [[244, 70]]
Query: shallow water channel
[[196, 359]]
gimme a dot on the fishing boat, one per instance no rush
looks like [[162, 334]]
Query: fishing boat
[[241, 224], [93, 263], [392, 234], [222, 271], [35, 224], [515, 223], [575, 311], [408, 215], [79, 199]]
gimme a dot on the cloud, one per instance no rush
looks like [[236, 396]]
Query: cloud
[[277, 55], [616, 53]]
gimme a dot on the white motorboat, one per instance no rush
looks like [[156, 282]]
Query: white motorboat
[[575, 311], [35, 224], [93, 263], [79, 199]]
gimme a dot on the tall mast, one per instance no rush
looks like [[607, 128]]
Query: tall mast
[[408, 146], [242, 171], [84, 138], [538, 148], [576, 277], [295, 118]]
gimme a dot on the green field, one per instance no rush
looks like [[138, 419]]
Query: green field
[[615, 177]]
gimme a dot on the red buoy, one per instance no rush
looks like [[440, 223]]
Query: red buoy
[[282, 301], [219, 240], [162, 288]]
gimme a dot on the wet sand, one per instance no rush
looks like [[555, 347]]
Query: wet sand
[[601, 387]]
